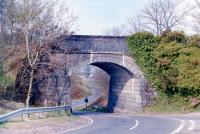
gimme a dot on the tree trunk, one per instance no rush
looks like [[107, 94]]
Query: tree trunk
[[29, 89]]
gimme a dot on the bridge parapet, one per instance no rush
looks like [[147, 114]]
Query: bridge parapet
[[127, 84], [87, 43]]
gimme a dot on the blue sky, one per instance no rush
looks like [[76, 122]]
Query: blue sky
[[95, 16]]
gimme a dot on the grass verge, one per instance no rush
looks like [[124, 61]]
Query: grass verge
[[170, 105]]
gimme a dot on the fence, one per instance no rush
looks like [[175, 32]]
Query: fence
[[20, 112]]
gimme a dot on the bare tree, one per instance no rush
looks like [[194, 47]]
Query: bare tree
[[41, 22], [9, 22], [135, 24], [2, 8], [116, 31], [195, 16], [163, 15]]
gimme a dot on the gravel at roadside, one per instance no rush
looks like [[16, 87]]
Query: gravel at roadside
[[51, 125]]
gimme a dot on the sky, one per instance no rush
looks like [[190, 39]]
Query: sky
[[95, 16]]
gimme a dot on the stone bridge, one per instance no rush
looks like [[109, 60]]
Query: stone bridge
[[109, 53], [127, 84]]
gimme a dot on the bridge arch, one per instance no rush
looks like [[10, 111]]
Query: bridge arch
[[126, 81], [119, 77], [113, 69], [74, 54]]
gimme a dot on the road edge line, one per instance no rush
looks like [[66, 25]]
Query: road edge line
[[192, 126], [77, 128], [137, 123], [180, 126]]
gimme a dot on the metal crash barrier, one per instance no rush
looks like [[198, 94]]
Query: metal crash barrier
[[20, 112]]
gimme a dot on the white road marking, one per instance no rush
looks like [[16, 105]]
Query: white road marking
[[192, 125], [120, 116], [77, 128], [137, 123], [179, 128]]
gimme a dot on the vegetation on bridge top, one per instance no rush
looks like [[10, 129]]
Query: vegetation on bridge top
[[171, 63]]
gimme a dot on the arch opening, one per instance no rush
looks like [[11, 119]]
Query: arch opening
[[120, 85]]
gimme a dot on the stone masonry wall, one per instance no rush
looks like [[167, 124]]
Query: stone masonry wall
[[127, 91]]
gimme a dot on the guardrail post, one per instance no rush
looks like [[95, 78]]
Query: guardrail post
[[70, 110], [28, 115], [91, 57], [123, 58], [22, 117], [57, 110], [45, 105], [64, 111]]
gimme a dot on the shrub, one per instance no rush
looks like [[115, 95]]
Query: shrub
[[194, 40], [178, 37], [170, 66], [141, 46]]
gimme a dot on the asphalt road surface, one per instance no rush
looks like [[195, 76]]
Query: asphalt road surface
[[103, 123], [108, 123]]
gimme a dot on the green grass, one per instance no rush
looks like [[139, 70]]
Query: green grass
[[92, 109], [166, 105], [196, 109], [164, 108], [61, 115], [3, 111], [57, 114]]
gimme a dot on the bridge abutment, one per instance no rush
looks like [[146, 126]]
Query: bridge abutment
[[125, 95], [127, 85]]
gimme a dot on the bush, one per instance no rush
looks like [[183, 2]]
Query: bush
[[4, 81], [165, 56], [178, 37], [188, 64], [141, 46], [1, 75], [170, 66], [141, 39], [194, 40]]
